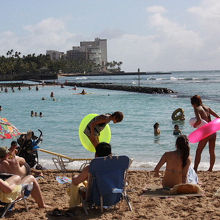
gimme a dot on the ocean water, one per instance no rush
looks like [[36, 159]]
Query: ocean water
[[134, 135]]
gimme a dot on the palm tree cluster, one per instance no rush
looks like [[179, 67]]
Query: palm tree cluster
[[114, 66], [14, 64]]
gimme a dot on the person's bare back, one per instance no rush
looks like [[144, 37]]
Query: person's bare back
[[177, 163], [174, 173]]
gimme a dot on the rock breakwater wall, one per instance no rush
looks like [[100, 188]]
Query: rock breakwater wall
[[140, 89]]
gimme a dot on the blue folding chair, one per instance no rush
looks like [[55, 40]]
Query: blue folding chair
[[107, 184]]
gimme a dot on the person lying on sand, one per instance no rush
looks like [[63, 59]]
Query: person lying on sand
[[17, 168], [177, 163]]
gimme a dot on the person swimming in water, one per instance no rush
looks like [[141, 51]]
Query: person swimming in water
[[176, 130], [97, 124], [156, 129], [83, 92]]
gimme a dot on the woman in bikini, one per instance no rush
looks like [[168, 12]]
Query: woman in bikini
[[177, 163], [203, 112], [97, 124]]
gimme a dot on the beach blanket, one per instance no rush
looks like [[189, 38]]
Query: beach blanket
[[166, 193]]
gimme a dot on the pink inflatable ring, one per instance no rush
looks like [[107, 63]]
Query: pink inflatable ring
[[205, 131]]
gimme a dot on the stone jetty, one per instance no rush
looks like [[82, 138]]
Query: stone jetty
[[110, 86]]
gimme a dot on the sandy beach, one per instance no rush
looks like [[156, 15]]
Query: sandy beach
[[205, 207]]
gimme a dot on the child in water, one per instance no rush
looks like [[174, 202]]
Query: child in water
[[176, 130], [177, 163], [156, 129]]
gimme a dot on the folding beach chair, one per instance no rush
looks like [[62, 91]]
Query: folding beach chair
[[25, 192], [107, 182]]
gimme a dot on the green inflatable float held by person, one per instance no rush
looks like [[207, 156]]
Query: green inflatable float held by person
[[95, 128]]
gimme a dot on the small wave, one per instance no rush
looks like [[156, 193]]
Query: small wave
[[49, 164], [151, 78], [143, 165], [80, 78], [173, 78]]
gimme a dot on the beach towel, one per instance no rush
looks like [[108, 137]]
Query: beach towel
[[63, 179], [167, 193], [192, 176], [10, 197], [73, 192]]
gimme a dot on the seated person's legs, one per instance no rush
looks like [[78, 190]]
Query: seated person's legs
[[36, 192]]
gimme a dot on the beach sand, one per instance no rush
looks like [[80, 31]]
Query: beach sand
[[206, 207]]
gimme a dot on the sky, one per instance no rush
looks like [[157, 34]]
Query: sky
[[153, 35]]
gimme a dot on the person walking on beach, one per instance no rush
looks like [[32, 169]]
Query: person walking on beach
[[203, 112], [177, 163], [97, 124]]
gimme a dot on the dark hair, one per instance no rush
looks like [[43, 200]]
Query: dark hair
[[156, 125], [182, 144], [14, 143], [103, 149], [118, 116], [196, 99]]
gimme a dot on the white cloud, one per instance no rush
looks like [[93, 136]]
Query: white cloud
[[156, 9], [209, 9], [166, 45], [50, 33]]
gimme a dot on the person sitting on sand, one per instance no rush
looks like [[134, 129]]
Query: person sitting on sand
[[97, 124], [156, 129], [176, 130], [102, 150], [177, 164], [16, 167]]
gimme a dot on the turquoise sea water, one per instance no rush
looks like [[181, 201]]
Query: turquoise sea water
[[134, 135]]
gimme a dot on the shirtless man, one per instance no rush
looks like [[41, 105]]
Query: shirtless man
[[9, 163], [203, 112]]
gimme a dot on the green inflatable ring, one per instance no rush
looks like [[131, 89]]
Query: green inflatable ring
[[105, 134]]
